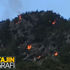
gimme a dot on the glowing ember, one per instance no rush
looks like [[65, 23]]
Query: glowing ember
[[38, 57], [29, 47], [20, 18], [54, 22], [56, 54]]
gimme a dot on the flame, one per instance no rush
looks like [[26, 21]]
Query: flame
[[20, 18], [54, 22], [29, 47], [56, 54], [38, 57]]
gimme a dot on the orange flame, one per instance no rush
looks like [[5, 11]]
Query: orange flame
[[56, 54], [54, 22], [38, 57], [29, 47], [20, 18]]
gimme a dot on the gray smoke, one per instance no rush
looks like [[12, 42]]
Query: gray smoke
[[12, 8], [15, 5]]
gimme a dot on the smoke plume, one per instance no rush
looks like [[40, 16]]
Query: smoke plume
[[12, 8], [15, 5]]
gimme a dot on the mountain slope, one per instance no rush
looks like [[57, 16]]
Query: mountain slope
[[37, 37]]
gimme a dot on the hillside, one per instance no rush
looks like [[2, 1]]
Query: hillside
[[38, 40]]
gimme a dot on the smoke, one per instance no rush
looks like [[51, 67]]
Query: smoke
[[15, 5], [12, 8]]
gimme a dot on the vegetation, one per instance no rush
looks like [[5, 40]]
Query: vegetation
[[45, 32]]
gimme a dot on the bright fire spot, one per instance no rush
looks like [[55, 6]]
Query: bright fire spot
[[54, 22], [20, 18], [38, 57], [56, 54], [29, 47]]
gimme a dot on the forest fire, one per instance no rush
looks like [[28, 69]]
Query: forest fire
[[29, 47], [20, 18], [38, 57], [56, 54], [54, 22]]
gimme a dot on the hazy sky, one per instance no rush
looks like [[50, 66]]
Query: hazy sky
[[11, 8]]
